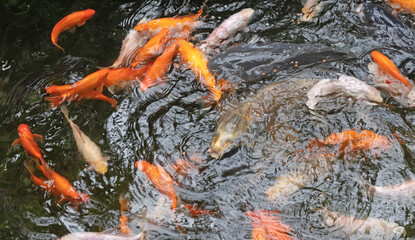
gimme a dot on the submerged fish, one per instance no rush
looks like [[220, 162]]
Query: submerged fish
[[227, 29], [88, 149], [281, 96], [348, 85], [348, 226], [398, 190], [286, 185], [311, 9], [70, 22], [267, 226]]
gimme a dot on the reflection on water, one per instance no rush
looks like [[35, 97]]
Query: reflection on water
[[166, 122]]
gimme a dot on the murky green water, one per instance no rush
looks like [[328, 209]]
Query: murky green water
[[166, 122]]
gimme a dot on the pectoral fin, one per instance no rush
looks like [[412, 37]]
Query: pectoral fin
[[38, 137], [16, 142]]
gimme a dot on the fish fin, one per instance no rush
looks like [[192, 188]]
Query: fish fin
[[29, 166], [38, 137], [124, 203], [106, 158], [54, 101], [61, 48], [72, 29], [147, 83], [246, 29], [207, 101], [16, 142], [64, 110], [100, 87], [195, 211]]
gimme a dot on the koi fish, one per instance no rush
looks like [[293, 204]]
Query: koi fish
[[351, 141], [311, 9], [228, 28], [387, 66], [57, 90], [118, 78], [94, 81], [155, 25], [267, 226], [133, 41], [398, 190], [346, 226], [27, 139], [404, 6], [286, 185], [163, 182], [88, 149], [231, 126], [56, 184], [198, 64], [160, 67], [70, 22], [348, 85], [151, 49]]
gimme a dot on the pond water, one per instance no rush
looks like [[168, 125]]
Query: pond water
[[167, 122]]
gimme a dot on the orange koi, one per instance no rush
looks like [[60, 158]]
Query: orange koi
[[198, 64], [120, 76], [351, 141], [56, 184], [27, 139], [159, 68], [388, 67], [267, 226], [406, 6], [151, 49], [94, 81], [164, 183], [70, 22], [169, 22]]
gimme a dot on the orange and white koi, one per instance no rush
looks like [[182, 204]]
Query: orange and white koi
[[198, 64], [267, 226], [311, 9], [151, 49], [159, 68], [388, 67], [56, 184], [155, 25], [70, 22]]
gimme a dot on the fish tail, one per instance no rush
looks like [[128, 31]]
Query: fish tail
[[29, 167], [150, 82], [64, 110], [54, 101], [57, 45]]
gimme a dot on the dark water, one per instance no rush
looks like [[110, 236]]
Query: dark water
[[166, 122]]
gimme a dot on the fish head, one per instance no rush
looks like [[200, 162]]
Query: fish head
[[101, 167], [247, 13], [88, 13], [220, 142], [83, 197], [142, 165], [23, 130]]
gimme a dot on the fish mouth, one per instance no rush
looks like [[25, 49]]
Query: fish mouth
[[215, 153]]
